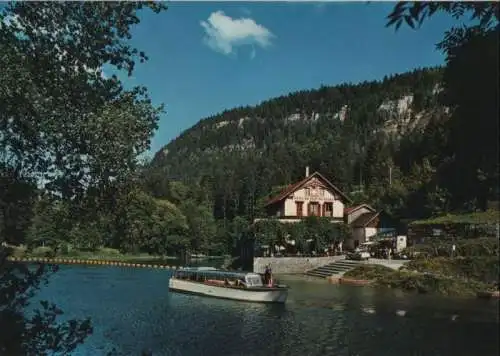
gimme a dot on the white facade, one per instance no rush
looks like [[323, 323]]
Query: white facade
[[329, 204]]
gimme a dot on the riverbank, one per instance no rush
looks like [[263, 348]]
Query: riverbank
[[73, 261], [416, 278], [101, 256], [462, 268]]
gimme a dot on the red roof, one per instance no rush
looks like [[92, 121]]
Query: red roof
[[354, 208], [364, 219], [293, 187]]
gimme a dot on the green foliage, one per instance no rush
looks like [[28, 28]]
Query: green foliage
[[438, 247], [321, 233], [148, 224], [268, 231], [369, 272], [38, 334], [471, 92], [434, 276], [430, 283], [17, 196], [480, 268], [476, 218], [415, 13], [66, 122], [66, 125]]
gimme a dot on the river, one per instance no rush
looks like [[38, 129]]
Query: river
[[132, 310]]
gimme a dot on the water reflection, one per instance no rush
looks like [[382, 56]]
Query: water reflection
[[132, 310]]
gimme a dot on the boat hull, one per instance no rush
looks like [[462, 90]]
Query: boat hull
[[261, 295]]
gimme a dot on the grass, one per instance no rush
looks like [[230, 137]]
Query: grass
[[103, 253], [441, 275], [108, 254]]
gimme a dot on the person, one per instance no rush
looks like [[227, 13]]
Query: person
[[270, 276], [267, 274]]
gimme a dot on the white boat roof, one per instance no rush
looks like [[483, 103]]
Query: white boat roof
[[210, 270]]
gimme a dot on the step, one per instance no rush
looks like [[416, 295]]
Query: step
[[329, 270], [318, 274], [347, 263], [334, 268], [337, 266]]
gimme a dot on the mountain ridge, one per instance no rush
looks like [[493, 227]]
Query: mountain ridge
[[243, 152]]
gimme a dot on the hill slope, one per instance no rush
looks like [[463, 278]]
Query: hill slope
[[350, 133]]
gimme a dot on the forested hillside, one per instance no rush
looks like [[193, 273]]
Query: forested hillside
[[380, 139]]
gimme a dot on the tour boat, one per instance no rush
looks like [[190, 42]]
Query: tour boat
[[242, 286]]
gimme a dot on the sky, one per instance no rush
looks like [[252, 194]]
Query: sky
[[207, 57]]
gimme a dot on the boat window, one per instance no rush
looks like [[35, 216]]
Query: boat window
[[254, 281]]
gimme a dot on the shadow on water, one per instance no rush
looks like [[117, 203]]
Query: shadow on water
[[132, 310]]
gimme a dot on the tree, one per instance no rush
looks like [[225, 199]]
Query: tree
[[39, 334], [470, 90], [17, 197], [150, 225], [414, 13], [268, 232], [65, 124], [201, 225], [65, 121]]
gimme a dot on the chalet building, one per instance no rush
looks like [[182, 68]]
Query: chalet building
[[366, 223], [317, 196], [312, 196]]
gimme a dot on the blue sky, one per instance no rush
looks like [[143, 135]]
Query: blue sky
[[211, 56]]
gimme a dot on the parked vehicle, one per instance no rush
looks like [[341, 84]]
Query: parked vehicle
[[360, 255]]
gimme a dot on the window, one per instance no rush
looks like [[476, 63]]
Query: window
[[307, 192], [314, 209], [328, 209], [321, 192], [299, 206], [254, 281]]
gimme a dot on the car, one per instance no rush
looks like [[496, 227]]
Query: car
[[358, 255]]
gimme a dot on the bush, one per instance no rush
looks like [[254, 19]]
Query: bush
[[427, 283], [483, 269], [446, 276], [435, 247], [368, 272], [109, 251], [42, 251]]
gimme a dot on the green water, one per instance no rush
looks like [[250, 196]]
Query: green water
[[132, 310]]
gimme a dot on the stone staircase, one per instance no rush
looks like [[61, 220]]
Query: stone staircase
[[337, 268]]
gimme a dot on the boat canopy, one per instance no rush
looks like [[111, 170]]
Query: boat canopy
[[251, 279], [211, 273]]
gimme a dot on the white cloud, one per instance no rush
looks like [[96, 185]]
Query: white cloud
[[223, 33]]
